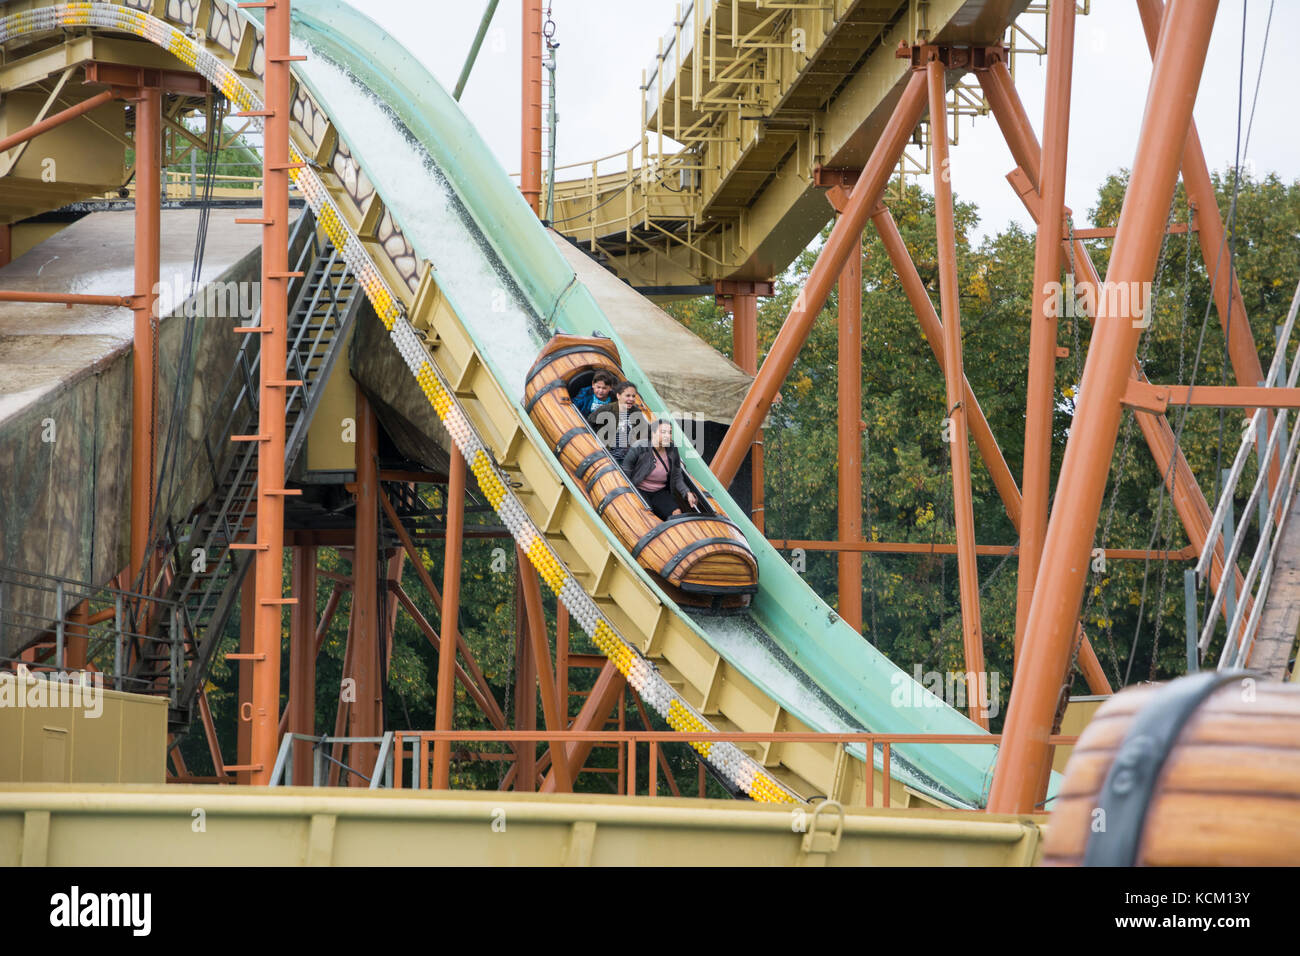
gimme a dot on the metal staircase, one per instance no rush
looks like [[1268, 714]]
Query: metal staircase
[[201, 562]]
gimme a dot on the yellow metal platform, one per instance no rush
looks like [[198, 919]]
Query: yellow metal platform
[[44, 825]]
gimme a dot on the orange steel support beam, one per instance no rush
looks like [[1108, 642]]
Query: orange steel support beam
[[744, 351], [525, 692], [1108, 232], [845, 236], [210, 734], [530, 176], [368, 716], [1050, 627], [58, 119], [268, 560], [1158, 398], [78, 638], [68, 298], [1040, 397], [144, 358], [541, 652], [244, 717], [445, 702], [396, 561], [849, 426], [605, 693], [302, 660], [1040, 393], [562, 662], [347, 709], [954, 378]]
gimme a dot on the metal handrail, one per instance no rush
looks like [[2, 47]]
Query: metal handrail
[[1269, 507], [380, 776], [421, 752]]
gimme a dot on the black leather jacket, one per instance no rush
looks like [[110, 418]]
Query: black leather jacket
[[640, 461]]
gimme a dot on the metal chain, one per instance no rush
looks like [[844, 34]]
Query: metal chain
[[1169, 533], [1170, 474], [1074, 311]]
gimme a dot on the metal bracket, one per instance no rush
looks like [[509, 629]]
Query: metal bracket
[[1145, 397], [819, 843]]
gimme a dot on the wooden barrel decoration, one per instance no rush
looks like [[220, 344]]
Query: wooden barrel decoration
[[1201, 771], [697, 553]]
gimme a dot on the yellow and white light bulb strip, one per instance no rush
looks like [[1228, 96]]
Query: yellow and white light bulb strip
[[730, 761]]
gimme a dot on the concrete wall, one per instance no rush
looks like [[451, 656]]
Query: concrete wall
[[65, 447]]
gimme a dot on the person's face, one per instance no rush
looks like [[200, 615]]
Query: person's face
[[664, 436], [627, 397], [601, 390]]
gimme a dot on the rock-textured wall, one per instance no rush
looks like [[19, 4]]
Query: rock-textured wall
[[65, 462]]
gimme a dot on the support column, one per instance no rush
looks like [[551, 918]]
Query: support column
[[244, 713], [850, 440], [269, 561], [562, 662], [541, 668], [302, 660], [144, 360], [530, 176], [1040, 397], [849, 427], [525, 693], [78, 637], [954, 379], [445, 702], [365, 590], [740, 298], [844, 238], [1053, 613], [6, 244]]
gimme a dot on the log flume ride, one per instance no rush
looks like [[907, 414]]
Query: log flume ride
[[701, 555]]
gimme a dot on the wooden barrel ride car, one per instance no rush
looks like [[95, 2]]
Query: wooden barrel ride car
[[699, 554], [1202, 771]]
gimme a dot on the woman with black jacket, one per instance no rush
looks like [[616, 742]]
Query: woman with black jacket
[[656, 469]]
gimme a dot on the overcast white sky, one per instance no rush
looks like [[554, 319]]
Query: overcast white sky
[[604, 45]]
